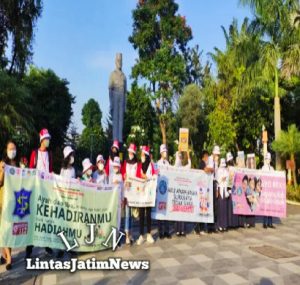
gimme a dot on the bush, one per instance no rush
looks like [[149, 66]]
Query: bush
[[293, 193]]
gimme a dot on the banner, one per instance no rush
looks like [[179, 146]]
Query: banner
[[184, 195], [37, 206], [258, 192], [140, 192], [183, 139]]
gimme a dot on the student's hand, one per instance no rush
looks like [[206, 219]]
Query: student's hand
[[2, 165]]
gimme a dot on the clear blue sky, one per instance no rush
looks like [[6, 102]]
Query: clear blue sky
[[79, 40]]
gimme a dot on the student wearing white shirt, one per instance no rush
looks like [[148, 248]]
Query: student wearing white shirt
[[163, 226], [67, 170], [268, 221], [99, 176]]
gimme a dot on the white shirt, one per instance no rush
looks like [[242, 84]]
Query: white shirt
[[267, 167], [222, 173], [100, 178], [131, 170], [42, 161], [162, 162], [67, 172]]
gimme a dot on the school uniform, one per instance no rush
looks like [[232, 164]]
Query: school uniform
[[100, 177], [68, 173], [222, 219], [268, 220]]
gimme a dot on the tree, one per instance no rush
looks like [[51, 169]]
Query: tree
[[14, 107], [160, 35], [17, 22], [288, 144], [51, 104], [280, 47], [192, 114], [92, 140]]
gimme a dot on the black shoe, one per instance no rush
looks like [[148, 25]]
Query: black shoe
[[167, 235], [265, 226], [271, 227], [2, 260], [178, 234], [49, 250], [183, 234], [8, 266], [60, 254], [28, 252], [161, 236]]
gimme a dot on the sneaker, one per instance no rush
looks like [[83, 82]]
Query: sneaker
[[150, 238], [128, 241], [49, 251], [265, 226], [271, 227], [178, 234], [140, 240], [203, 233], [8, 266], [183, 234], [167, 235], [161, 236]]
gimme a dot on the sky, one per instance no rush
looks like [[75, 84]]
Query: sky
[[78, 40]]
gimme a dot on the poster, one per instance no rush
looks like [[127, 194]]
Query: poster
[[140, 192], [38, 206], [183, 139], [258, 192], [184, 195]]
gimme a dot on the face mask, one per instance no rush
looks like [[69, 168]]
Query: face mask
[[47, 143], [71, 159], [143, 159], [100, 166], [11, 154], [89, 172], [116, 170], [164, 155], [131, 156]]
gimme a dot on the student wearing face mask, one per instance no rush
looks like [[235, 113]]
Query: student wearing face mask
[[67, 170], [9, 159], [163, 226], [129, 170], [145, 170], [99, 176], [114, 152], [41, 159], [87, 170]]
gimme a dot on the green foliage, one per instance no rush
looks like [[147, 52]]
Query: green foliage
[[17, 22], [92, 140], [288, 142], [293, 193]]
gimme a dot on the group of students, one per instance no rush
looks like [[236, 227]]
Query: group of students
[[113, 171]]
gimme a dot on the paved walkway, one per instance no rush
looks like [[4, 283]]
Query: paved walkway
[[224, 258]]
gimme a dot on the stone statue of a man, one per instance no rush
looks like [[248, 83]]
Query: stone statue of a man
[[117, 97]]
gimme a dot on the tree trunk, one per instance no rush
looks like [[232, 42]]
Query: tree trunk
[[277, 118], [162, 125], [294, 169]]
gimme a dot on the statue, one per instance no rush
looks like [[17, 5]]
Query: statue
[[117, 98]]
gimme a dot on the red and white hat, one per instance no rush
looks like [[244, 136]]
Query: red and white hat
[[116, 161], [146, 149], [44, 134], [115, 144], [86, 165], [132, 148], [100, 158], [67, 151], [163, 148]]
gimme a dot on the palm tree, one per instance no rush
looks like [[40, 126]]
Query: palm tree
[[288, 144], [281, 49]]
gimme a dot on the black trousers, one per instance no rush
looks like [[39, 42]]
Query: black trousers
[[213, 227], [142, 212], [163, 226]]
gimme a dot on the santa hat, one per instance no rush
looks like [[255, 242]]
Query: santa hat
[[146, 149], [222, 162], [100, 158], [44, 134], [163, 148], [132, 148], [117, 162], [86, 165], [250, 155], [216, 149], [115, 144], [229, 156], [67, 151]]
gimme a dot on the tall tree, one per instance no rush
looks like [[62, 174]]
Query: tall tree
[[160, 35], [17, 22], [281, 46]]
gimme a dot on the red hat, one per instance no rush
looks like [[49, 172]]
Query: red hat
[[146, 149], [132, 148], [44, 134], [115, 144]]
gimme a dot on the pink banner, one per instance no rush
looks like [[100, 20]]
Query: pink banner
[[260, 193]]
